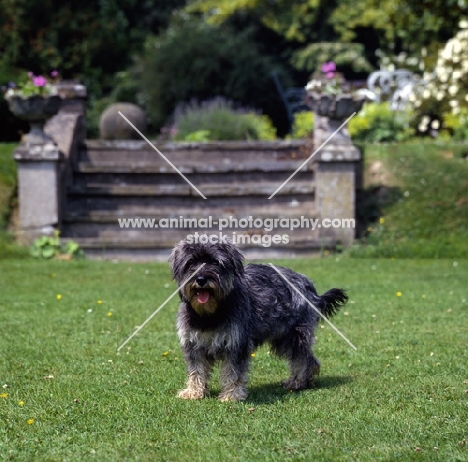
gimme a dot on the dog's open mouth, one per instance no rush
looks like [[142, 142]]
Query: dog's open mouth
[[202, 296]]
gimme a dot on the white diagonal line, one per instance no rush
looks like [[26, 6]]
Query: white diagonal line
[[316, 151], [164, 157], [157, 311], [311, 304]]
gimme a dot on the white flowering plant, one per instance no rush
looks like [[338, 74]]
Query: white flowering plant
[[444, 97]]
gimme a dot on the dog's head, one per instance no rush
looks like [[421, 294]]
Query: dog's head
[[207, 287]]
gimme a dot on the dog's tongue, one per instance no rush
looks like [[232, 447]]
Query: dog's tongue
[[203, 296]]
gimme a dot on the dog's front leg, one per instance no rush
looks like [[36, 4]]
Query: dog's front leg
[[233, 378], [199, 367]]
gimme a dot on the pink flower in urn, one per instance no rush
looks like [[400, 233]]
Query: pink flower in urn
[[329, 69], [39, 81]]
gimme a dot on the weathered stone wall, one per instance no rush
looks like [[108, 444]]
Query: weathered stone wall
[[90, 184]]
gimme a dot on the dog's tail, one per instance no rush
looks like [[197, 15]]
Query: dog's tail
[[332, 301]]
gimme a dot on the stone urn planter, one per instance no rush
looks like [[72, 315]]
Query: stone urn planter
[[36, 109], [330, 113]]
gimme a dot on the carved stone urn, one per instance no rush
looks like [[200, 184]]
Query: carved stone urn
[[36, 109], [330, 112]]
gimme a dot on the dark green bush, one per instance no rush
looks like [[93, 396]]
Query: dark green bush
[[192, 60]]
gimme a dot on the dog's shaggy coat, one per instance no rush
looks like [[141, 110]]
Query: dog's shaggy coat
[[227, 310]]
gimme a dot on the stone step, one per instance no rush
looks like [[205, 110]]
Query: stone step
[[229, 152], [112, 216], [149, 250], [174, 206], [187, 166], [264, 189], [173, 178], [112, 231]]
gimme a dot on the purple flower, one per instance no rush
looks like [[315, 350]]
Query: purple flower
[[39, 81], [12, 84], [30, 74], [328, 67], [54, 73]]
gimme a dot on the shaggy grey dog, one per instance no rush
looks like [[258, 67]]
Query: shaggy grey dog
[[227, 310]]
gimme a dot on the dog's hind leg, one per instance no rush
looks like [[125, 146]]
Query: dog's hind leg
[[296, 348], [303, 369], [233, 378], [199, 369]]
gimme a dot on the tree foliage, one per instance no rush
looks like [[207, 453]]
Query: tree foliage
[[400, 25], [391, 25], [91, 40], [194, 60]]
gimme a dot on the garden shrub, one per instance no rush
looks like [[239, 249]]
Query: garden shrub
[[377, 123], [303, 125], [457, 124], [192, 60], [218, 119]]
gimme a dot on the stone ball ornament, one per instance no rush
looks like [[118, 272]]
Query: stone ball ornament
[[112, 126]]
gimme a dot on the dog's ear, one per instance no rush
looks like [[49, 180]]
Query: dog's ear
[[236, 258], [175, 261]]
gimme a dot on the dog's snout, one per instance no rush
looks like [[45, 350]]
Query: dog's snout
[[201, 280]]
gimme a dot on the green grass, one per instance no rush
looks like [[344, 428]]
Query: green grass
[[7, 196], [429, 214], [403, 389], [7, 179]]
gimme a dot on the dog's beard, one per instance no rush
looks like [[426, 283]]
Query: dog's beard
[[204, 300], [207, 299]]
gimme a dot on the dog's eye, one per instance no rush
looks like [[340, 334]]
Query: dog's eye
[[188, 264]]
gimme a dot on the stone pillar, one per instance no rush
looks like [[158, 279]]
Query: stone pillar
[[44, 170], [38, 190], [336, 189]]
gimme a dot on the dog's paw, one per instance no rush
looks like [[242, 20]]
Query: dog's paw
[[232, 396], [295, 385], [190, 393]]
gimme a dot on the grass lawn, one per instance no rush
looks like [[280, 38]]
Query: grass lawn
[[426, 215], [69, 396], [7, 197]]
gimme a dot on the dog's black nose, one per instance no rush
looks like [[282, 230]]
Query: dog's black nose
[[201, 280]]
